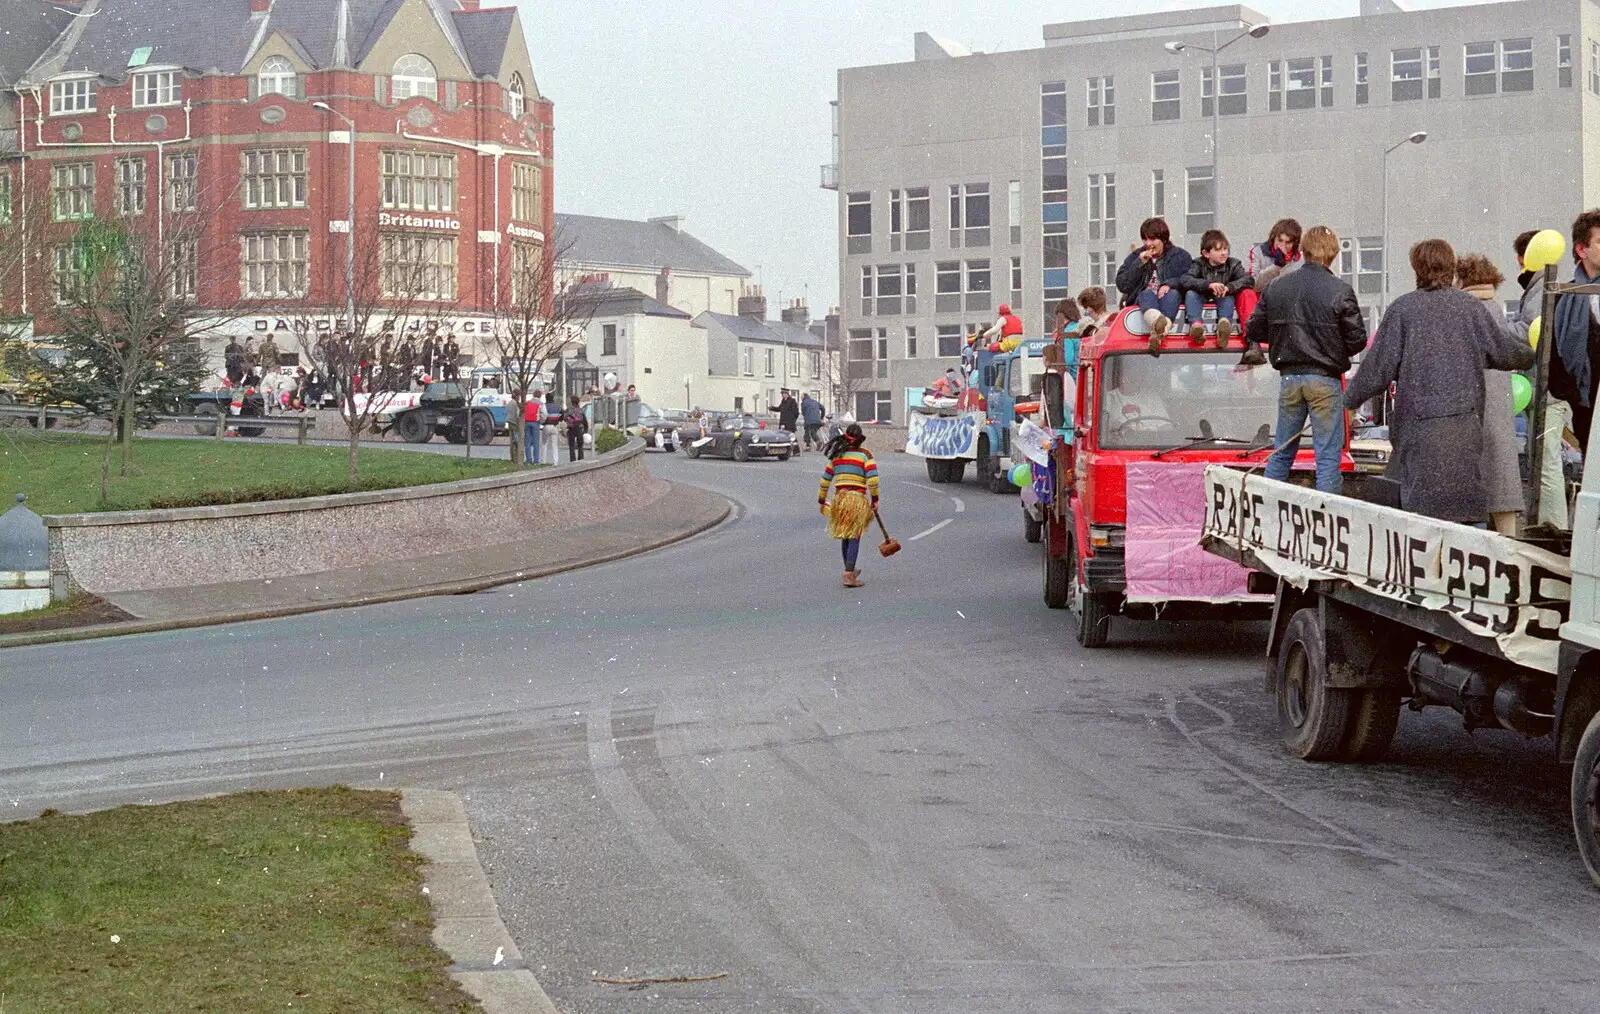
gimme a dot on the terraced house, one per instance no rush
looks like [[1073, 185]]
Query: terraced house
[[237, 124]]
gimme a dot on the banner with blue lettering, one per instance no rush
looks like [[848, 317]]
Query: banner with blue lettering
[[1491, 585], [944, 436]]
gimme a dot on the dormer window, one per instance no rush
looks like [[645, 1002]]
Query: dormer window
[[276, 77], [157, 88], [72, 95], [516, 99], [414, 75]]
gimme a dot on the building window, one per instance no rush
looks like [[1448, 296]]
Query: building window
[[768, 361], [911, 288], [979, 283], [874, 406], [276, 77], [1200, 200], [414, 75], [1014, 210], [608, 339], [816, 364], [74, 95], [1158, 192], [1102, 101], [1327, 81], [275, 178], [526, 271], [72, 190], [526, 202], [71, 272], [182, 170], [130, 186], [868, 290], [1369, 265], [747, 359], [1103, 206], [157, 88], [1481, 68], [947, 287], [969, 214], [516, 98], [911, 343], [1235, 102], [948, 339], [794, 363], [1564, 61], [273, 264], [919, 219], [1362, 93], [1053, 112], [1405, 75], [1433, 72], [5, 196], [1164, 95], [1594, 67], [889, 287], [418, 266], [1103, 268], [183, 268], [1016, 280], [1274, 86], [1504, 66], [419, 181], [858, 222], [1516, 65], [896, 219]]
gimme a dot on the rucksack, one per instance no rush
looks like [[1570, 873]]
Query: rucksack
[[574, 419]]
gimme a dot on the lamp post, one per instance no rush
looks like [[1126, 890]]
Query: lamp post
[[349, 220], [1417, 138], [1253, 32]]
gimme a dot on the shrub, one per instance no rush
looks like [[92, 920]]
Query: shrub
[[608, 438]]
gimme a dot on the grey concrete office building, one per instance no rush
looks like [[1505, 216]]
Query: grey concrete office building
[[970, 180]]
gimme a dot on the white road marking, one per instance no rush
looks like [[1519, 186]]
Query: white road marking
[[935, 528], [961, 508], [930, 489]]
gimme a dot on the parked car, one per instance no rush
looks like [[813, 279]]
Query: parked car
[[740, 437]]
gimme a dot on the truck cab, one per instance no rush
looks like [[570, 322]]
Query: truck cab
[[1131, 476], [977, 426]]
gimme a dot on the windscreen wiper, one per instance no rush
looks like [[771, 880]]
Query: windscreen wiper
[[1194, 442]]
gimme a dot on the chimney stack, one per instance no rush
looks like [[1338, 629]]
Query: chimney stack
[[797, 313], [753, 305], [260, 6], [468, 5], [664, 286], [673, 222]]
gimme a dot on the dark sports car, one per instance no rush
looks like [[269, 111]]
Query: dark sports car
[[739, 437]]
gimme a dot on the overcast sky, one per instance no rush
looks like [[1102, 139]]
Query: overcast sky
[[717, 110]]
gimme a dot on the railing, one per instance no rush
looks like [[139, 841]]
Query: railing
[[215, 424]]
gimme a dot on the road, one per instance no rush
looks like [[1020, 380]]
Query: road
[[921, 796]]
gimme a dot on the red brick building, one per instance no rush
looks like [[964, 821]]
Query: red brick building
[[203, 118]]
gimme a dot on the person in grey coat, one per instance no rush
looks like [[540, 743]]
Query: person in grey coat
[[1502, 477], [1434, 344]]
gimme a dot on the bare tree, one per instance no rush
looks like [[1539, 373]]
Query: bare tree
[[542, 314]]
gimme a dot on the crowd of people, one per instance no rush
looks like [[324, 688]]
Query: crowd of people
[[380, 364]]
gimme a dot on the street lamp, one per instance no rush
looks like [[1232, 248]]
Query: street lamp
[[349, 219], [1416, 138], [1253, 32]]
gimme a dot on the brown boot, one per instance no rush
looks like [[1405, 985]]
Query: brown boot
[[1197, 333], [852, 579], [1224, 332]]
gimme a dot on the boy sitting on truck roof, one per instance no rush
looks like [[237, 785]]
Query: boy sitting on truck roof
[[1213, 277]]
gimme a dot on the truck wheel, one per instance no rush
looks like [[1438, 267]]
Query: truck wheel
[[413, 428], [935, 469], [955, 470], [480, 427], [1057, 586], [1032, 530], [1374, 715], [209, 428], [1586, 798], [453, 433], [998, 483], [1088, 608], [1313, 718]]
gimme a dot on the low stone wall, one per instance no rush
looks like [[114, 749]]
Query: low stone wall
[[134, 550]]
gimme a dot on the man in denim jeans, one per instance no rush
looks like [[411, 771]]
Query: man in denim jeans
[[1311, 324]]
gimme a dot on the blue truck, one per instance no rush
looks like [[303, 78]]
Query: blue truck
[[977, 426]]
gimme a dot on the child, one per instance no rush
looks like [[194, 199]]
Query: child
[[1213, 277]]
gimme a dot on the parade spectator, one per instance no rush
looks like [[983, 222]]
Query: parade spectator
[[1149, 277], [450, 355], [633, 393], [430, 353], [233, 362], [1433, 344], [1092, 301], [267, 356], [853, 476], [532, 427], [250, 360], [811, 415], [551, 420], [1007, 325], [1281, 250], [577, 425], [1531, 303], [1311, 324], [788, 411], [1501, 474], [1213, 277], [1573, 378], [407, 355]]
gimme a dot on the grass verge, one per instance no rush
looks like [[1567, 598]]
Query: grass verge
[[308, 900], [60, 473], [77, 611]]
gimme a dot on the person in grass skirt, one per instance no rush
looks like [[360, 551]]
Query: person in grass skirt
[[854, 477]]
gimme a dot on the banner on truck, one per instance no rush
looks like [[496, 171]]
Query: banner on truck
[[1163, 561], [1493, 586], [943, 436]]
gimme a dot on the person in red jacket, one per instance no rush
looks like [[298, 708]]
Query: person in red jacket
[[1007, 325]]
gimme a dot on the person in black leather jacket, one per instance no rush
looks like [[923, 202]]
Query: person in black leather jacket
[[1311, 324], [1213, 277]]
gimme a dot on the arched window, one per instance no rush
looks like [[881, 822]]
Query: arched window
[[516, 100], [276, 77], [414, 75]]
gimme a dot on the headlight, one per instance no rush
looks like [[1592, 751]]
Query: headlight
[[1103, 536]]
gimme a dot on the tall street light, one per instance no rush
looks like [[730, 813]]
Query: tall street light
[[1254, 32], [349, 219], [1417, 138]]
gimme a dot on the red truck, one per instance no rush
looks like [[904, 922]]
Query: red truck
[[1123, 496]]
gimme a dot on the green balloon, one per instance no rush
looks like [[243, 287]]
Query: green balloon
[[1521, 392], [1021, 475]]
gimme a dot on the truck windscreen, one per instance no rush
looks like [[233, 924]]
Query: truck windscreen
[[1149, 402]]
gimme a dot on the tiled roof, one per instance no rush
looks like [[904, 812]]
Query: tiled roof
[[26, 30], [618, 242], [774, 332], [609, 300], [484, 35]]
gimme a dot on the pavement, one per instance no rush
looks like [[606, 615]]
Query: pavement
[[919, 796]]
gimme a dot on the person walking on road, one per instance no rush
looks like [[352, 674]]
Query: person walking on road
[[788, 412], [1434, 345], [532, 429], [1311, 324], [577, 426], [853, 475], [811, 415]]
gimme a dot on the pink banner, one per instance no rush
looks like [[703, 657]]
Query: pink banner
[[1164, 561]]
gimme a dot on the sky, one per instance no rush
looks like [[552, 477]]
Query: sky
[[717, 110]]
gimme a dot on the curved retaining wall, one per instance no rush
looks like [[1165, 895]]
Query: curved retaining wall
[[133, 550]]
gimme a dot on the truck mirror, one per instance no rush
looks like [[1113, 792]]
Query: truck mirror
[[1054, 410]]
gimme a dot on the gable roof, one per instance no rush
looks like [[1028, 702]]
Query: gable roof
[[619, 242], [772, 332], [611, 300], [485, 35], [31, 26]]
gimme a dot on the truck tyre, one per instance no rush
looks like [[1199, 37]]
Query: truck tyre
[[480, 428], [413, 428], [1374, 715], [955, 470], [1057, 581], [1032, 530], [935, 469], [211, 410], [454, 433], [1586, 798], [1313, 718]]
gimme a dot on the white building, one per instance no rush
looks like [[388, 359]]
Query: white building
[[750, 359], [656, 257]]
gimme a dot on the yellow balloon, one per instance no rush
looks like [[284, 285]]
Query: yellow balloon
[[1546, 248], [1535, 330]]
